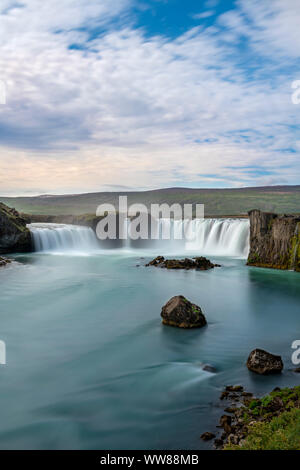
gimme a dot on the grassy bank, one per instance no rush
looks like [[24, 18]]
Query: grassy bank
[[270, 423]]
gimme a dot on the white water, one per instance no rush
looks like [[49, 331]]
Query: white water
[[60, 238], [223, 237], [219, 237]]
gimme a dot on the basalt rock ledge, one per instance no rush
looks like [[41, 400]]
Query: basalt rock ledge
[[274, 241]]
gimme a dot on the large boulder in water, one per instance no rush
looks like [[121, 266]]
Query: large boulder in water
[[263, 363], [14, 234], [181, 313]]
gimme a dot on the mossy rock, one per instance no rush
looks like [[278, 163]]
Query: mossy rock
[[181, 313], [14, 234]]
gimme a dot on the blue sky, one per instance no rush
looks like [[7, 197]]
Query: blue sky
[[148, 94], [174, 17]]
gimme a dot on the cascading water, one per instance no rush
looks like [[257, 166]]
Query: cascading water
[[58, 238], [223, 237], [219, 237]]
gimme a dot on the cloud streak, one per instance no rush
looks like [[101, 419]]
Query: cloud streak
[[94, 101]]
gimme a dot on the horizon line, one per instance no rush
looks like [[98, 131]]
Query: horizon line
[[171, 188]]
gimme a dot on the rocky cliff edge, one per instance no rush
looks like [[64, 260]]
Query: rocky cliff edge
[[14, 235], [274, 241]]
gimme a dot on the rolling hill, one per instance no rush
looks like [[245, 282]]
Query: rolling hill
[[218, 202]]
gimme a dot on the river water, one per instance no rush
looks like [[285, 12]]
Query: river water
[[89, 364]]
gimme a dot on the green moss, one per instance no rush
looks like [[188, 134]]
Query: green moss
[[266, 430], [253, 258], [287, 394], [294, 254], [266, 401], [281, 433], [254, 404], [270, 224]]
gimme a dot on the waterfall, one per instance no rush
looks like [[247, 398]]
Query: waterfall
[[219, 237], [58, 238], [223, 237], [214, 237]]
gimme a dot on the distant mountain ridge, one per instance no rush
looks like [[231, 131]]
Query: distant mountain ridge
[[218, 202], [176, 189]]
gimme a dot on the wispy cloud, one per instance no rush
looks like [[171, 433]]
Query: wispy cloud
[[93, 101], [203, 15]]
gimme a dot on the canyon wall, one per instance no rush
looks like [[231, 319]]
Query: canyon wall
[[274, 241]]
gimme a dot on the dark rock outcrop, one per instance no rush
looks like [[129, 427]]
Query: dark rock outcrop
[[263, 363], [208, 436], [14, 235], [4, 262], [234, 388], [274, 241], [200, 263], [156, 261], [181, 313], [225, 423], [209, 368]]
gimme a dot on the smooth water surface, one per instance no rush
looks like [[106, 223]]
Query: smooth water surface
[[90, 366]]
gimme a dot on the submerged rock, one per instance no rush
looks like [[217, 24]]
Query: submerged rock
[[263, 363], [219, 443], [209, 368], [208, 436], [14, 235], [224, 395], [157, 261], [4, 262], [199, 263], [225, 423], [247, 394], [231, 409], [181, 313], [234, 388]]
